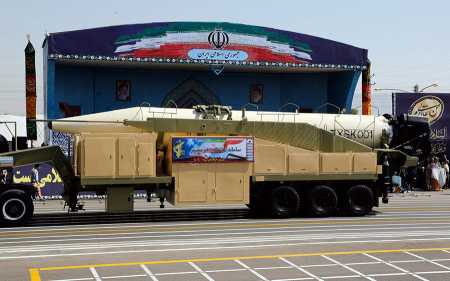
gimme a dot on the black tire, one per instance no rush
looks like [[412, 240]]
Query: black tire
[[322, 201], [284, 202], [4, 146], [16, 208], [359, 200]]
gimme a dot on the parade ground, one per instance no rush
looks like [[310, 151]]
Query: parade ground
[[408, 239]]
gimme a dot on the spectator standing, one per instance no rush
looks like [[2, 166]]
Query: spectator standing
[[447, 173], [35, 180]]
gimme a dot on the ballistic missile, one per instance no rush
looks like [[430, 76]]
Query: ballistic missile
[[370, 130]]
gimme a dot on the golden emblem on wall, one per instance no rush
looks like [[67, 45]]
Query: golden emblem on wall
[[430, 107]]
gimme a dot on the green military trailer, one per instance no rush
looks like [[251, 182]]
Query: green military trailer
[[276, 167]]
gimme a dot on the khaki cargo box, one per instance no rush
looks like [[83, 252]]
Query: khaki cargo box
[[126, 155], [332, 163], [270, 159], [304, 163], [365, 162], [211, 183]]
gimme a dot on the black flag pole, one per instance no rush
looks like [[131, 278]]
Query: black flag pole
[[30, 91]]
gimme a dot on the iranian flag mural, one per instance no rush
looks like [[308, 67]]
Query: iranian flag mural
[[202, 42], [214, 45]]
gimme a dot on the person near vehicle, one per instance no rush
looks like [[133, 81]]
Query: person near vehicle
[[447, 173], [35, 180], [4, 176]]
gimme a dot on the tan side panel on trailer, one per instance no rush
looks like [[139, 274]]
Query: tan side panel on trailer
[[146, 159], [232, 182], [336, 163], [127, 157], [211, 183], [124, 155], [99, 157], [304, 163], [192, 182], [365, 162], [270, 159]]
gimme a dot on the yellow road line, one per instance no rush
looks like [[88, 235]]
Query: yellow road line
[[240, 258], [149, 228], [34, 274]]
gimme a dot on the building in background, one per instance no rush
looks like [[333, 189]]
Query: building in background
[[188, 63]]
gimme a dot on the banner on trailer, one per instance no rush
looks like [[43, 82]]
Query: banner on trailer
[[435, 107], [48, 178], [212, 149]]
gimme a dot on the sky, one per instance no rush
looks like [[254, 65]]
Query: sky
[[408, 41]]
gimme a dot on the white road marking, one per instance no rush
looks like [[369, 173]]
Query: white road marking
[[388, 274], [95, 274], [433, 272], [294, 279], [341, 277], [199, 270], [215, 241], [365, 229], [124, 276], [427, 260], [395, 267], [225, 270], [406, 261], [377, 241], [171, 224], [363, 263], [76, 279], [300, 268], [291, 265], [438, 260], [319, 265], [254, 272], [272, 267], [148, 272], [176, 273], [348, 268]]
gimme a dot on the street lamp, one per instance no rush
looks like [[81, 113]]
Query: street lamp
[[429, 86], [415, 90], [391, 89]]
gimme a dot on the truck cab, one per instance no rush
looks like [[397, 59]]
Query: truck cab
[[16, 200]]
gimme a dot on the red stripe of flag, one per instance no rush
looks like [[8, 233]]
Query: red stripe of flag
[[180, 51]]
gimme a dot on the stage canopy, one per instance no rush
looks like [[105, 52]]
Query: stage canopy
[[204, 43]]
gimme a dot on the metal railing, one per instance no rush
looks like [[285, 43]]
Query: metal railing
[[13, 135]]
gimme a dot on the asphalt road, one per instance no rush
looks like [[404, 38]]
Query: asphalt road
[[409, 239]]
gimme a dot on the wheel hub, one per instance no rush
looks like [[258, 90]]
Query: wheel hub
[[13, 209]]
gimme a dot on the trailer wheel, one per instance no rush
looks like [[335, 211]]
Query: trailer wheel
[[322, 200], [16, 207], [359, 200], [285, 202]]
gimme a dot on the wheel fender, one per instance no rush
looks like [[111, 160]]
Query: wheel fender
[[12, 191]]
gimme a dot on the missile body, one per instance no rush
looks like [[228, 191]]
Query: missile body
[[373, 131]]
